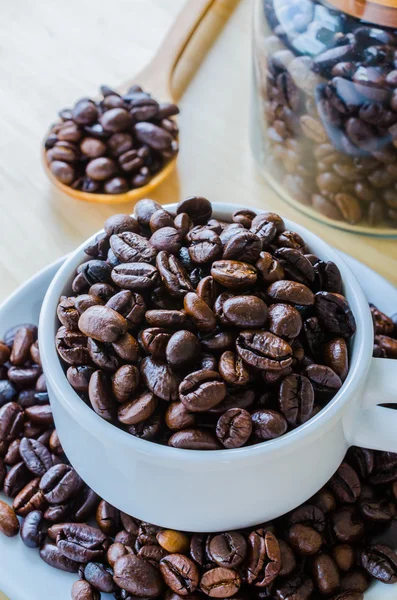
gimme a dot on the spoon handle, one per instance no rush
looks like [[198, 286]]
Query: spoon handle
[[198, 19]]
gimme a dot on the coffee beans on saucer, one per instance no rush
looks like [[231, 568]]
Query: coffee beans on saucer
[[333, 546], [112, 145], [188, 331]]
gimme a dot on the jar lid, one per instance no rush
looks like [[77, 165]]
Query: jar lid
[[379, 12]]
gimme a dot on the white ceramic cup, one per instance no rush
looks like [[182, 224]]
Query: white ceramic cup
[[219, 490]]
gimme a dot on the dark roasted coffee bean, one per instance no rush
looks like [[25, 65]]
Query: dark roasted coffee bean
[[173, 274], [137, 576], [79, 377], [194, 439], [36, 457], [345, 484], [166, 239], [60, 483], [348, 525], [8, 392], [290, 292], [137, 410], [108, 518], [100, 577], [264, 560], [199, 312], [178, 417], [180, 573], [304, 539], [244, 246], [245, 311], [81, 543], [201, 390], [362, 460], [53, 557], [17, 477], [233, 369], [137, 277], [284, 321], [159, 378], [234, 428], [11, 423], [100, 396], [125, 382], [228, 549], [296, 399], [234, 274], [204, 245], [268, 424], [264, 350], [182, 349], [154, 341], [85, 505], [199, 209], [380, 562], [130, 247], [326, 574], [32, 533], [334, 313], [23, 340], [324, 380]]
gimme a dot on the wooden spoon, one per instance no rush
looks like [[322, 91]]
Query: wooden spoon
[[198, 19]]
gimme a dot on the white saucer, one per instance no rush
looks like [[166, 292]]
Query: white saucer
[[23, 575]]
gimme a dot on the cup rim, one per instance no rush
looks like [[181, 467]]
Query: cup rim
[[361, 353]]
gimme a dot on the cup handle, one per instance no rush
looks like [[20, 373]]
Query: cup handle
[[373, 426]]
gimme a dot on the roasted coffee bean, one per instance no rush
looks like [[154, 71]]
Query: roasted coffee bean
[[284, 321], [326, 574], [154, 341], [17, 477], [244, 246], [345, 484], [178, 417], [233, 370], [81, 542], [199, 312], [204, 245], [173, 274], [264, 350], [8, 392], [137, 277], [182, 349], [40, 414], [268, 424], [380, 562], [130, 247], [344, 556], [53, 557], [323, 379], [336, 356], [108, 518], [72, 347], [60, 483], [334, 313], [23, 340], [36, 457], [166, 239], [234, 428], [137, 576], [137, 410], [102, 324], [304, 539], [180, 573], [201, 390], [130, 305], [264, 561], [220, 582], [159, 378], [245, 311], [290, 292], [32, 533], [269, 268], [287, 559], [125, 382], [198, 208], [296, 399], [348, 525], [11, 423], [100, 396], [194, 439], [9, 524], [82, 590], [100, 577], [79, 377], [234, 274]]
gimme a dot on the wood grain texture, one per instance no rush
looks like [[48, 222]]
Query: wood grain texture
[[53, 53]]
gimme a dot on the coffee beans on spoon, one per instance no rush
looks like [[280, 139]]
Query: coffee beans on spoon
[[114, 144], [188, 331], [332, 546]]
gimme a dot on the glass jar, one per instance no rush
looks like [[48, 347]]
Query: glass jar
[[324, 118]]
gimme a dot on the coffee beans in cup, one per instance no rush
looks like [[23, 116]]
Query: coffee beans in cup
[[189, 331], [332, 546], [114, 144]]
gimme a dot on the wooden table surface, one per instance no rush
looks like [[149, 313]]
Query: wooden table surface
[[51, 55]]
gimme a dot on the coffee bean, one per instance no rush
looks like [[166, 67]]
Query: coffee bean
[[220, 582], [233, 370], [125, 382], [194, 439], [199, 312], [268, 424], [35, 456], [32, 533], [17, 477], [100, 397], [284, 321], [263, 562], [290, 292], [269, 268], [137, 277], [159, 378], [305, 540], [296, 399], [137, 410], [60, 483], [234, 428], [380, 562], [173, 275], [53, 557], [177, 417], [11, 423], [9, 524], [263, 350], [245, 311], [326, 574], [100, 577], [182, 349], [8, 392], [82, 590], [204, 245], [336, 356], [348, 525], [166, 239], [199, 209], [201, 390], [233, 274], [108, 518], [154, 341], [152, 135], [81, 543], [244, 246], [137, 576], [180, 573]]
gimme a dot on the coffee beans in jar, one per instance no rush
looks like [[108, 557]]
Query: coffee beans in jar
[[333, 546], [325, 120], [114, 144], [201, 334]]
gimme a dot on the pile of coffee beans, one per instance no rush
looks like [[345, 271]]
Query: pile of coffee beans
[[201, 334], [114, 144], [327, 101], [333, 546]]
